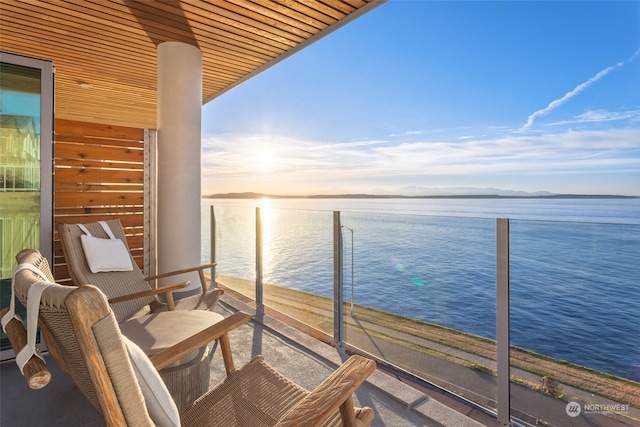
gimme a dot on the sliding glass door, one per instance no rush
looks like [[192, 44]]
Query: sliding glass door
[[26, 180]]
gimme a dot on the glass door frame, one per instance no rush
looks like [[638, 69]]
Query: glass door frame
[[46, 156], [46, 146]]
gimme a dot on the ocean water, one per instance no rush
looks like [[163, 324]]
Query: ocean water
[[574, 264]]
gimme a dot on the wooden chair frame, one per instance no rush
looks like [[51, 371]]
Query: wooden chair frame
[[76, 312]]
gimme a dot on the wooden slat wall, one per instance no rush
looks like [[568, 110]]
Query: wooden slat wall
[[98, 174]]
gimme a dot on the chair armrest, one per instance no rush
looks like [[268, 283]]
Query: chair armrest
[[333, 393], [202, 338], [185, 270], [154, 291], [200, 269]]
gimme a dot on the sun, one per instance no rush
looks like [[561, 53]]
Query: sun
[[266, 161]]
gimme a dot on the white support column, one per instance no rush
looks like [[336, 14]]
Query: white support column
[[179, 158]]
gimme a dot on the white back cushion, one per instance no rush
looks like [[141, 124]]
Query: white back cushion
[[105, 254]]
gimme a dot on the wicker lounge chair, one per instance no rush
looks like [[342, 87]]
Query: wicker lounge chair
[[187, 378], [83, 337], [129, 291]]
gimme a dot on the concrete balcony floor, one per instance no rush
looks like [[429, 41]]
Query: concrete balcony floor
[[300, 357]]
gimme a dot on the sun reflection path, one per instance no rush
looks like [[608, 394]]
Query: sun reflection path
[[267, 220]]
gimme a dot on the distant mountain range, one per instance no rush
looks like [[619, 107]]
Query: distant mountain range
[[467, 192], [484, 193]]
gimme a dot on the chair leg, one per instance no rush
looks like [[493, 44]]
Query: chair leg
[[225, 347], [171, 305], [355, 417], [347, 414], [365, 416]]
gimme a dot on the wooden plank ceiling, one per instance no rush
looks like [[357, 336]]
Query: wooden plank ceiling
[[104, 51]]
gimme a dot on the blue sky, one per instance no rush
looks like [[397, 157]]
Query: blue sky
[[431, 97]]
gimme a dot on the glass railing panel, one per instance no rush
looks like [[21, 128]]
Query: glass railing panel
[[574, 301], [235, 240], [298, 264], [424, 297]]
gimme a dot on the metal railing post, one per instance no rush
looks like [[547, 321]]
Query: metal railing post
[[338, 299], [259, 290], [502, 321], [212, 244]]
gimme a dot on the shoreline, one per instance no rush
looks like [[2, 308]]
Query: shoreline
[[400, 196], [455, 346]]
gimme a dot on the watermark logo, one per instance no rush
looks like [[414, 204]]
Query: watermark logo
[[573, 409], [604, 409]]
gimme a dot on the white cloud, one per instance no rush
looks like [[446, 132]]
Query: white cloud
[[236, 162], [597, 116], [407, 133], [465, 137], [353, 144]]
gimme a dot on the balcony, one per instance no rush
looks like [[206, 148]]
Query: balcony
[[456, 304], [441, 359], [102, 151], [304, 359]]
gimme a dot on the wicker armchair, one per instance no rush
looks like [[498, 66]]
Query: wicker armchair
[[83, 336], [187, 377]]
